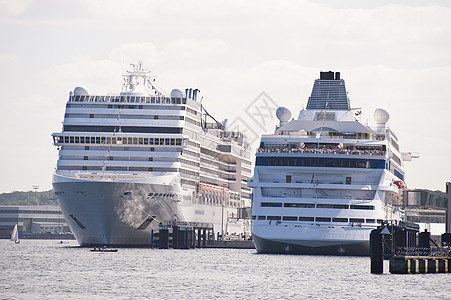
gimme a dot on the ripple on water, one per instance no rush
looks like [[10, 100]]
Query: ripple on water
[[48, 269]]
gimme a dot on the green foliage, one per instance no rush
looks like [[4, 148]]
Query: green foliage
[[29, 198]]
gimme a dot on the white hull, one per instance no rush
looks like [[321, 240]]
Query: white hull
[[311, 238], [102, 212]]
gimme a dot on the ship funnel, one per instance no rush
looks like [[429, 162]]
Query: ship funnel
[[195, 91], [189, 93], [381, 116]]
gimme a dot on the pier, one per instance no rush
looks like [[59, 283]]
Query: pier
[[408, 251], [189, 235], [419, 264]]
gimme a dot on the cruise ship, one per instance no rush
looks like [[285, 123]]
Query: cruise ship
[[139, 158], [322, 182]]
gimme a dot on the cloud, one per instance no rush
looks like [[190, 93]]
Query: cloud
[[84, 70], [14, 7], [133, 52], [131, 9], [196, 49]]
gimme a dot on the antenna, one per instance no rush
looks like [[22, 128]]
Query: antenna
[[324, 119]]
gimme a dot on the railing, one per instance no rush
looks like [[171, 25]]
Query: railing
[[127, 99], [416, 251], [321, 151]]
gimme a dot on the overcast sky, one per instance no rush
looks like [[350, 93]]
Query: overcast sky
[[392, 54]]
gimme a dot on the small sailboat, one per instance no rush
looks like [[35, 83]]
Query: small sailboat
[[15, 235]]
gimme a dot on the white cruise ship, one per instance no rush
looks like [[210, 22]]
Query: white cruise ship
[[324, 181], [130, 161]]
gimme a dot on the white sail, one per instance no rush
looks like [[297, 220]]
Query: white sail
[[15, 234]]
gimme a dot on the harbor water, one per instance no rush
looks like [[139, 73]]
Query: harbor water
[[48, 269]]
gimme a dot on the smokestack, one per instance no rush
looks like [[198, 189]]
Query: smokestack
[[195, 94], [329, 75]]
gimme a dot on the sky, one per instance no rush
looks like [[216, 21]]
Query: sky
[[242, 55]]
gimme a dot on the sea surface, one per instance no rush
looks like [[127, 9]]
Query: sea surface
[[48, 269]]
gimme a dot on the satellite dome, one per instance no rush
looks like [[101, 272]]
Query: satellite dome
[[176, 93], [81, 91], [381, 116], [283, 114]]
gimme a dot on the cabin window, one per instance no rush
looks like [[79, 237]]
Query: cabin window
[[356, 220], [300, 205], [366, 207], [336, 206], [288, 179], [345, 220], [289, 218], [271, 204]]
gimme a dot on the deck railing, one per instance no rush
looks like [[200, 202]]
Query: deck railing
[[321, 151]]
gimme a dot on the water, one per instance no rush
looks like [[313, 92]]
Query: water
[[37, 269]]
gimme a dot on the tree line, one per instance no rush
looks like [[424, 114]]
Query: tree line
[[29, 198]]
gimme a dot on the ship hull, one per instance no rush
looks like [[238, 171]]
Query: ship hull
[[114, 213], [311, 239], [122, 214], [305, 247]]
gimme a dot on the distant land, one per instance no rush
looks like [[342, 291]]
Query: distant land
[[436, 199], [29, 198]]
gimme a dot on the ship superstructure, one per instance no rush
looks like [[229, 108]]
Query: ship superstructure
[[322, 182], [130, 161]]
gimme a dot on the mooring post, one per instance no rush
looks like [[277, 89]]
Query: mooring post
[[376, 253], [163, 237], [175, 235], [423, 242]]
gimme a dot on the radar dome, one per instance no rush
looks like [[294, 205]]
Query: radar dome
[[283, 114], [81, 91], [176, 93], [381, 116]]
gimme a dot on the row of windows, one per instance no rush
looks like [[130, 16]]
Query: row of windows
[[15, 220], [189, 163], [320, 162], [127, 99], [193, 122], [318, 205], [117, 140], [316, 219], [119, 169], [134, 129], [191, 111], [16, 211], [189, 173], [124, 117]]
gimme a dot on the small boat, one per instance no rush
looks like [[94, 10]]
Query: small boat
[[103, 250], [15, 235]]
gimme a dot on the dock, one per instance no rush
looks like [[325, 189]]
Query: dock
[[188, 235], [419, 264], [408, 251]]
